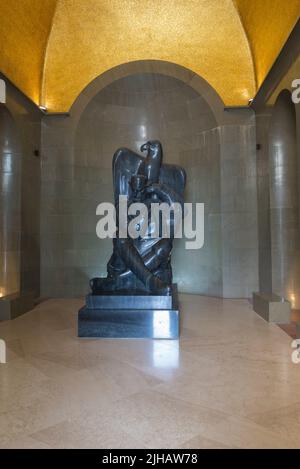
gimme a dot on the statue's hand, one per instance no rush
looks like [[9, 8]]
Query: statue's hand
[[152, 188]]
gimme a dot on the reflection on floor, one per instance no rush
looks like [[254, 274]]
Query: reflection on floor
[[228, 382]]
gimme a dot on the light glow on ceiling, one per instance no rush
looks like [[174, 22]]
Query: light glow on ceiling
[[52, 49]]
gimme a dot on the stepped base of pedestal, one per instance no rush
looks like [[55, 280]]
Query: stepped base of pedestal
[[130, 316]]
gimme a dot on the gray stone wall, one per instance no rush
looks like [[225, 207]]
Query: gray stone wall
[[284, 199], [278, 182], [239, 207], [20, 133], [10, 204]]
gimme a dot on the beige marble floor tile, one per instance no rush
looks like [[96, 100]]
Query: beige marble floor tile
[[239, 394], [200, 442], [25, 442], [285, 421], [88, 431], [228, 382], [160, 421], [242, 433], [14, 377]]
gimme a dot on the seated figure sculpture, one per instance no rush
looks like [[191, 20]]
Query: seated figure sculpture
[[142, 264]]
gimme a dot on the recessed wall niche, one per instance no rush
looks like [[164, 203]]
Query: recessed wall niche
[[217, 150], [127, 113], [10, 205]]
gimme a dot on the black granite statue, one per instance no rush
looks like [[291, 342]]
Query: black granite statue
[[137, 298], [142, 264]]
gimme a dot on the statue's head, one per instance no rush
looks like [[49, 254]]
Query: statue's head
[[153, 159], [138, 182], [152, 146]]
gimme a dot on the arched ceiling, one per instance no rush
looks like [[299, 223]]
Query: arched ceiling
[[267, 24], [24, 31], [52, 49]]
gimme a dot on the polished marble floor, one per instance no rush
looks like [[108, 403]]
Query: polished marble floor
[[229, 382]]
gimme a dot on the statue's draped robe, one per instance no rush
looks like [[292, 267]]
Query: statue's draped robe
[[127, 163]]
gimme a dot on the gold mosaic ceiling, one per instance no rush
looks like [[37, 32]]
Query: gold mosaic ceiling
[[52, 49]]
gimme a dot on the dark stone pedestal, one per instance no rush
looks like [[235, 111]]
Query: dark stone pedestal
[[272, 307], [124, 315]]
